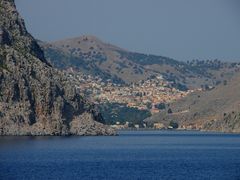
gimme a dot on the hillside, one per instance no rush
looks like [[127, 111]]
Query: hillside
[[90, 55], [36, 99], [217, 109]]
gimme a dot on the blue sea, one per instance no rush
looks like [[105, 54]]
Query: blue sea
[[131, 155]]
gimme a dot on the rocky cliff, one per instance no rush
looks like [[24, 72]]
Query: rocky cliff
[[36, 99]]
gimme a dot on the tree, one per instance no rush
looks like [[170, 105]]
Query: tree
[[173, 124], [160, 106], [225, 82], [149, 105], [170, 111]]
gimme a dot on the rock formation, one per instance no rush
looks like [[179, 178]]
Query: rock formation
[[36, 99]]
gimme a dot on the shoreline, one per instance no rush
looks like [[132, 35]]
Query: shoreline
[[176, 130], [128, 130]]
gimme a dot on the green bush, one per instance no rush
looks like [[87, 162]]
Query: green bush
[[173, 124]]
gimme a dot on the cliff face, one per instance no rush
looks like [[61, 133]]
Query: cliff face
[[36, 99]]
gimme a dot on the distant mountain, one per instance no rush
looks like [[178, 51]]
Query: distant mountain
[[36, 99], [90, 55], [217, 109]]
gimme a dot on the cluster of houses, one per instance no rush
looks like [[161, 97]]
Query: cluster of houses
[[142, 95]]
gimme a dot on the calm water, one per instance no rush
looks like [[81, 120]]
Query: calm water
[[131, 155]]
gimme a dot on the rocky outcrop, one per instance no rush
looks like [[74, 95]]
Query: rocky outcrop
[[36, 99]]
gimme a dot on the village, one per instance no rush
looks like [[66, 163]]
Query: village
[[149, 94]]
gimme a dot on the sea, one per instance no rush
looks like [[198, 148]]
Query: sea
[[131, 155]]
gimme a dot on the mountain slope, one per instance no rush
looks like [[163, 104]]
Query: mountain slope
[[92, 56], [36, 99], [217, 109]]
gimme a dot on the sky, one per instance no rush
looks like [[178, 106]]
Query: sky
[[180, 29]]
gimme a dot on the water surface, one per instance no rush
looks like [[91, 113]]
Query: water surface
[[131, 155]]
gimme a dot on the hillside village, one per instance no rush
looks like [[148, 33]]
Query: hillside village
[[151, 94]]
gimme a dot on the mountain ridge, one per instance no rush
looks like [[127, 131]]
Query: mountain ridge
[[210, 75], [92, 56]]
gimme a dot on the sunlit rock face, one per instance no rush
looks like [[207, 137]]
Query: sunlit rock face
[[36, 99]]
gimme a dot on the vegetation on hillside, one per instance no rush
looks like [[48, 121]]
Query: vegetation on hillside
[[115, 112], [92, 56]]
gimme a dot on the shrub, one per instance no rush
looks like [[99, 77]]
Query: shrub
[[170, 111], [173, 124]]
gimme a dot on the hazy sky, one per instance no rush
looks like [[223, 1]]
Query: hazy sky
[[181, 29]]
